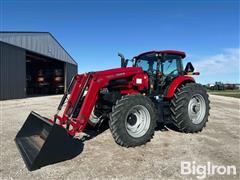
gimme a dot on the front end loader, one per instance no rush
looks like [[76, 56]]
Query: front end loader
[[132, 99]]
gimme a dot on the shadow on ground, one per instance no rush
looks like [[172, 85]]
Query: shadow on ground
[[58, 145]]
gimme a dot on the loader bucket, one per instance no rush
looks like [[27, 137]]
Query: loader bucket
[[41, 142]]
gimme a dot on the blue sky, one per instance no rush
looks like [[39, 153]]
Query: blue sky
[[94, 31]]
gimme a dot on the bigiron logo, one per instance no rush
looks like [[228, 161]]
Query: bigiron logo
[[208, 169]]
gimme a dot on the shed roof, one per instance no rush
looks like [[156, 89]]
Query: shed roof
[[39, 42]]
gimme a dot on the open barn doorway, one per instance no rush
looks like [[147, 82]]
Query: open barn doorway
[[44, 75]]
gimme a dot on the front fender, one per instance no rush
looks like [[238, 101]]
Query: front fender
[[176, 83]]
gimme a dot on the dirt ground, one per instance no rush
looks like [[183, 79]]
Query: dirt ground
[[102, 158]]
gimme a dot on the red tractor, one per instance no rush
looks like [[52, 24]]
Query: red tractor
[[132, 99]]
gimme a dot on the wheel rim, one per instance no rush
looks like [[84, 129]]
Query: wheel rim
[[138, 121], [197, 109]]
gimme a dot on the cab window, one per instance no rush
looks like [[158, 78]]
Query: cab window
[[148, 65], [170, 66]]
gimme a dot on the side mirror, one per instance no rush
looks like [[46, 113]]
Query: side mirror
[[124, 61], [189, 67]]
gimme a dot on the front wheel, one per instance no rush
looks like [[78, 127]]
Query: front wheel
[[190, 108], [133, 120]]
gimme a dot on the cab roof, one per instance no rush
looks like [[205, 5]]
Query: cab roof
[[180, 53]]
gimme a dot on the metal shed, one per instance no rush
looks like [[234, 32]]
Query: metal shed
[[33, 63]]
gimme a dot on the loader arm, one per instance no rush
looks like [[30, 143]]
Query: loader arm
[[85, 92]]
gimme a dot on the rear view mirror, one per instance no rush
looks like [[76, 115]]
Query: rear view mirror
[[189, 67]]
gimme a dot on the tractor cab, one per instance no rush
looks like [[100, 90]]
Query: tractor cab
[[163, 62], [162, 67]]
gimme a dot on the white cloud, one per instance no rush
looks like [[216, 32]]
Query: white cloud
[[227, 62]]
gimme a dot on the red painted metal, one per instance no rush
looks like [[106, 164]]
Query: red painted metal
[[176, 82], [79, 80], [128, 91], [143, 78], [182, 54], [97, 81]]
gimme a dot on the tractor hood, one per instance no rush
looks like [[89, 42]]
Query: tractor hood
[[119, 71]]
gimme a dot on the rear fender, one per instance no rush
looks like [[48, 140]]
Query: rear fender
[[176, 83]]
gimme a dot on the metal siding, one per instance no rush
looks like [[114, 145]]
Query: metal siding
[[41, 43], [12, 72], [71, 70]]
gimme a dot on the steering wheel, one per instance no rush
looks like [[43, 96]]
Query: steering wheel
[[165, 77], [172, 72]]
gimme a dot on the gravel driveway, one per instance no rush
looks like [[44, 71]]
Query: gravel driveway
[[102, 158]]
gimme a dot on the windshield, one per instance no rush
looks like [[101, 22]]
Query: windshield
[[147, 65], [168, 65], [148, 62]]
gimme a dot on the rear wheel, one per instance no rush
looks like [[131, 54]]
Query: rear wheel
[[133, 120], [190, 108]]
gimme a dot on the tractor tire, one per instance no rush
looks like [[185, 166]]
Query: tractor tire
[[190, 108], [133, 120]]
